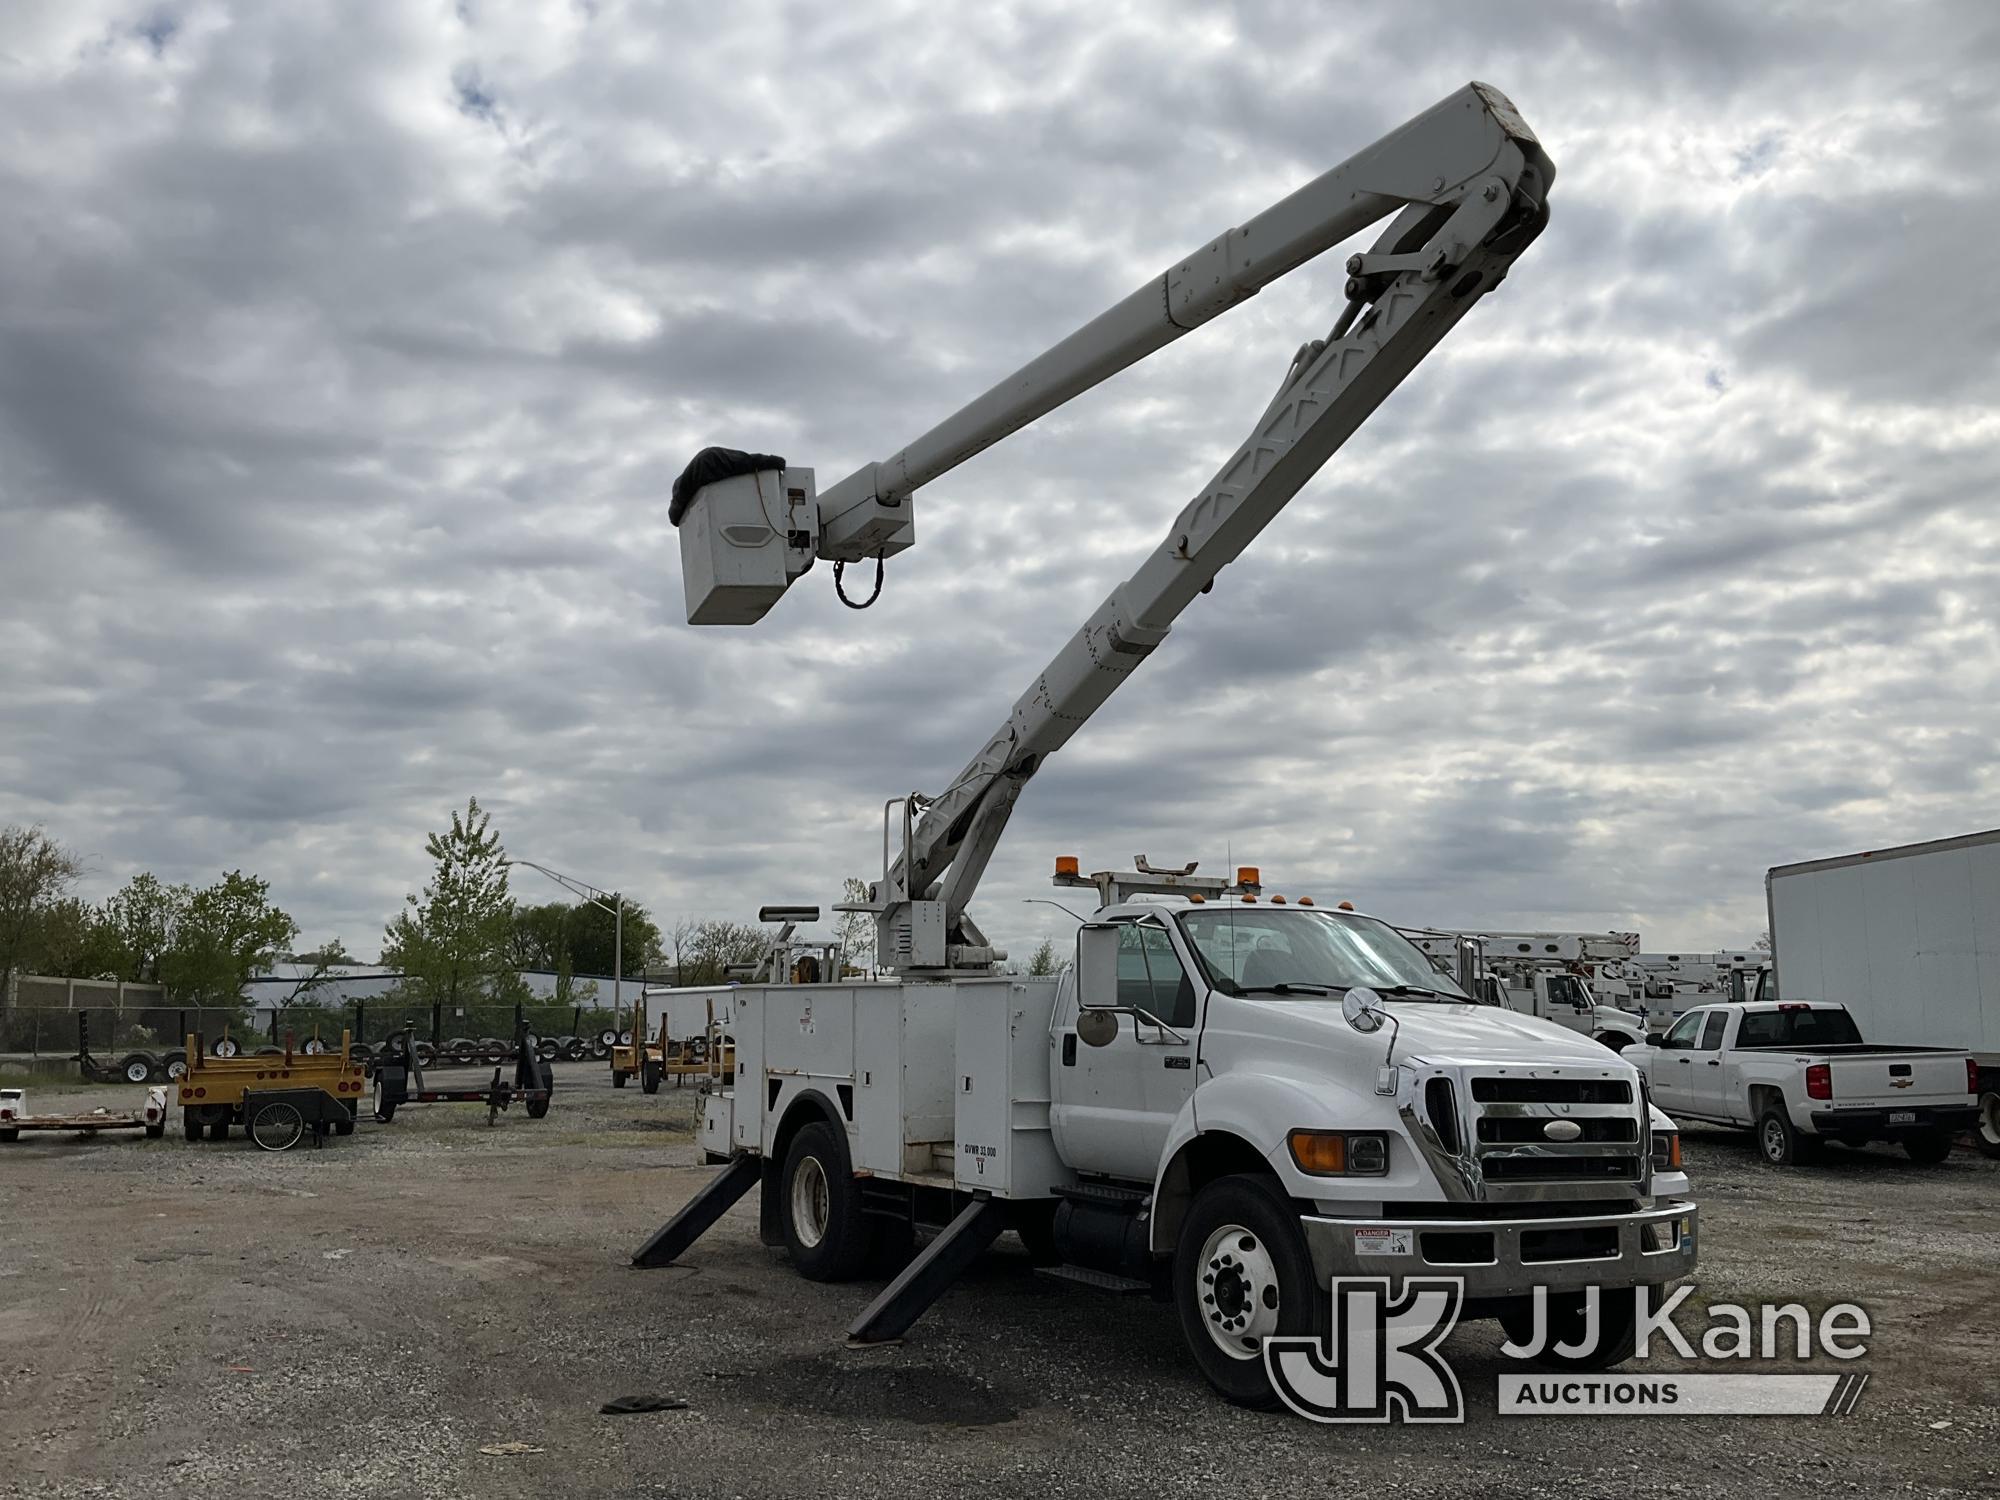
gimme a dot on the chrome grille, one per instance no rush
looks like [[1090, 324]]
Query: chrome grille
[[1485, 1128]]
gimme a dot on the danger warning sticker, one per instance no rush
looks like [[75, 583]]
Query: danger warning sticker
[[1380, 1239]]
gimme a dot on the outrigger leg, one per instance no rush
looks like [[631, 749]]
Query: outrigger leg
[[700, 1212], [926, 1278]]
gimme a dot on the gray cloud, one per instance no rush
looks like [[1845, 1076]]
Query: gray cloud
[[346, 356]]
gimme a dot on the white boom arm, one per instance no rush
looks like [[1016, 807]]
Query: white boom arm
[[1467, 182]]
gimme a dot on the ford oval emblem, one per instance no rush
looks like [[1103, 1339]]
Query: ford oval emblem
[[1562, 1130]]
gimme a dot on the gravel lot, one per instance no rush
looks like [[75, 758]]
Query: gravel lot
[[182, 1319]]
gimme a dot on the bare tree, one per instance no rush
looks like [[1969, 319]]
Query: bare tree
[[854, 930]]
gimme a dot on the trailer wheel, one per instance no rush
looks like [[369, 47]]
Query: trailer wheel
[[607, 1039], [276, 1127], [218, 1130], [624, 1038], [313, 1047], [1618, 1313], [344, 1127], [154, 1132], [649, 1080], [225, 1046], [190, 1124], [618, 1078], [1241, 1274], [538, 1108], [1986, 1130], [427, 1055], [548, 1049], [137, 1067], [1929, 1149], [176, 1063], [1779, 1141], [573, 1049], [825, 1228]]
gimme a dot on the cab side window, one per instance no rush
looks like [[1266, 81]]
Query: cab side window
[[1711, 1035], [1682, 1037], [1150, 976]]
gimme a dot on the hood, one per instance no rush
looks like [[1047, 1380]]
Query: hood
[[1429, 1032]]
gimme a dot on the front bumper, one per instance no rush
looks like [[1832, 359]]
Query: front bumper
[[1873, 1124], [1510, 1257]]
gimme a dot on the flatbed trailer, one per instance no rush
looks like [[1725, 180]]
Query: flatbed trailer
[[399, 1080], [14, 1117], [217, 1092]]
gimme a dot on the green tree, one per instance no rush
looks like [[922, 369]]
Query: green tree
[[35, 872], [593, 936], [1043, 959], [142, 918], [454, 942], [75, 939], [224, 934]]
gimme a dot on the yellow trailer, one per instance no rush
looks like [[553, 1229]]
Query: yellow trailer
[[280, 1095]]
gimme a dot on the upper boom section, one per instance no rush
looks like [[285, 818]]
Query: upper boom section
[[1467, 186], [744, 540]]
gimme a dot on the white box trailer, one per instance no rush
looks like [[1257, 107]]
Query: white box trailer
[[1908, 939]]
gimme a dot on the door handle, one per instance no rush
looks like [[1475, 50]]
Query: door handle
[[1715, 1062]]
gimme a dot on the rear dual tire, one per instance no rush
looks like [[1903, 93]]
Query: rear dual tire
[[830, 1234]]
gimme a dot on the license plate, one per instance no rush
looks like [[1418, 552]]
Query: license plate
[[1902, 1117]]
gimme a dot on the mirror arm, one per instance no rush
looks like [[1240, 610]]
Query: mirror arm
[[1138, 1014]]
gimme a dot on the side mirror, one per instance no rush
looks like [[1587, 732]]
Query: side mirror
[[1654, 1038], [1362, 1009], [1097, 1028], [1097, 983]]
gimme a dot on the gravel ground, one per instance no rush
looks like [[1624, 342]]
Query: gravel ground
[[180, 1319]]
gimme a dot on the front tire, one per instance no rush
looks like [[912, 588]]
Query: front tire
[[650, 1079], [1241, 1274], [825, 1227]]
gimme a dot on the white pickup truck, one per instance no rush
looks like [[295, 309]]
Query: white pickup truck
[[1800, 1074]]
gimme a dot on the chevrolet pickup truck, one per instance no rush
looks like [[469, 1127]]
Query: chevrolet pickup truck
[[1800, 1075]]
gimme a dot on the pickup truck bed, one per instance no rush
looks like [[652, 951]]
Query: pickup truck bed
[[1799, 1074]]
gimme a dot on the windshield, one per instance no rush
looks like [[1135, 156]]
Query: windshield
[[1252, 950]]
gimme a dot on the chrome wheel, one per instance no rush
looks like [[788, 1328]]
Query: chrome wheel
[[1239, 1291], [812, 1204]]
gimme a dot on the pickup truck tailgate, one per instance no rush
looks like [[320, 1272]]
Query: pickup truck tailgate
[[1896, 1080]]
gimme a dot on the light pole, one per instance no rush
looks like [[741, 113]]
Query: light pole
[[603, 901]]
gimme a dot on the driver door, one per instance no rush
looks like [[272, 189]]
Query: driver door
[[1114, 1105]]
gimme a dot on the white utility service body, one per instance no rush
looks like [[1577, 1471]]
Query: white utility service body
[[1908, 939], [1143, 1150], [1799, 1073]]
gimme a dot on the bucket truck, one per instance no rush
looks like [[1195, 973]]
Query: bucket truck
[[1558, 976], [1222, 1104]]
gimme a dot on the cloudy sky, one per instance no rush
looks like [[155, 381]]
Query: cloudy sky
[[348, 352]]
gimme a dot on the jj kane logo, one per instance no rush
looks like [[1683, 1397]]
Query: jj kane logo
[[1381, 1359]]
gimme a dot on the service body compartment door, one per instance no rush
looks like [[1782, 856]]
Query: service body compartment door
[[1001, 1091]]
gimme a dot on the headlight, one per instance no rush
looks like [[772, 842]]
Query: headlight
[[1340, 1153], [1666, 1151]]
